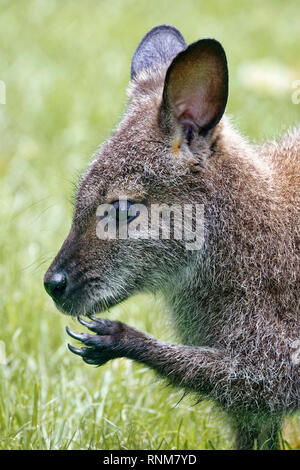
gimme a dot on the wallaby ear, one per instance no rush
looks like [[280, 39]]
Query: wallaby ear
[[160, 45], [196, 85]]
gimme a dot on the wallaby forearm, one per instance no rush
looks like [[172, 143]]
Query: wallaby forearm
[[194, 368], [204, 370]]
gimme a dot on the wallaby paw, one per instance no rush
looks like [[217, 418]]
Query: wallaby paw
[[108, 343]]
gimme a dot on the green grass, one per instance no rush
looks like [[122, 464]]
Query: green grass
[[66, 68]]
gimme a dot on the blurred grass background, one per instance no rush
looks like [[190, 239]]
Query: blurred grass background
[[66, 67]]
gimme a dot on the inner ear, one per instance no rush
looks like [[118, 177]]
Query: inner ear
[[196, 86]]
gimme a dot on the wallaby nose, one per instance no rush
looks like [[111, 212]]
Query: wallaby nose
[[56, 284]]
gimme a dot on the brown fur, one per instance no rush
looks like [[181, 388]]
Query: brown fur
[[235, 303]]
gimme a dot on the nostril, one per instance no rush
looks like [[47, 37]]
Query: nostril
[[56, 284]]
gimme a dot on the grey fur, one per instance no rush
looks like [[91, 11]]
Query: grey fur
[[159, 46], [235, 303]]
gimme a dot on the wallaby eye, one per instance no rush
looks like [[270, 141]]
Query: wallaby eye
[[122, 211]]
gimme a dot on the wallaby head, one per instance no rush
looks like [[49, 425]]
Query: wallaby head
[[161, 152]]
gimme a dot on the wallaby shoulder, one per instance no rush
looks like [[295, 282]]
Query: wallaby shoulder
[[284, 156]]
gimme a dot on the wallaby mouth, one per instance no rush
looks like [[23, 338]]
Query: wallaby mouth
[[86, 299]]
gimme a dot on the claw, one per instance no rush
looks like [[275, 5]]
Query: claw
[[94, 318], [90, 326], [89, 361], [77, 351], [74, 335]]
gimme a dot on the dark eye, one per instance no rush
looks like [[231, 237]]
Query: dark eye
[[122, 208]]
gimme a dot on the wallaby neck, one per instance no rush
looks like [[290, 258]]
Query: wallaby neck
[[241, 260]]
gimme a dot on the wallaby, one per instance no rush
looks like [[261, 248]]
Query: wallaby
[[235, 300]]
